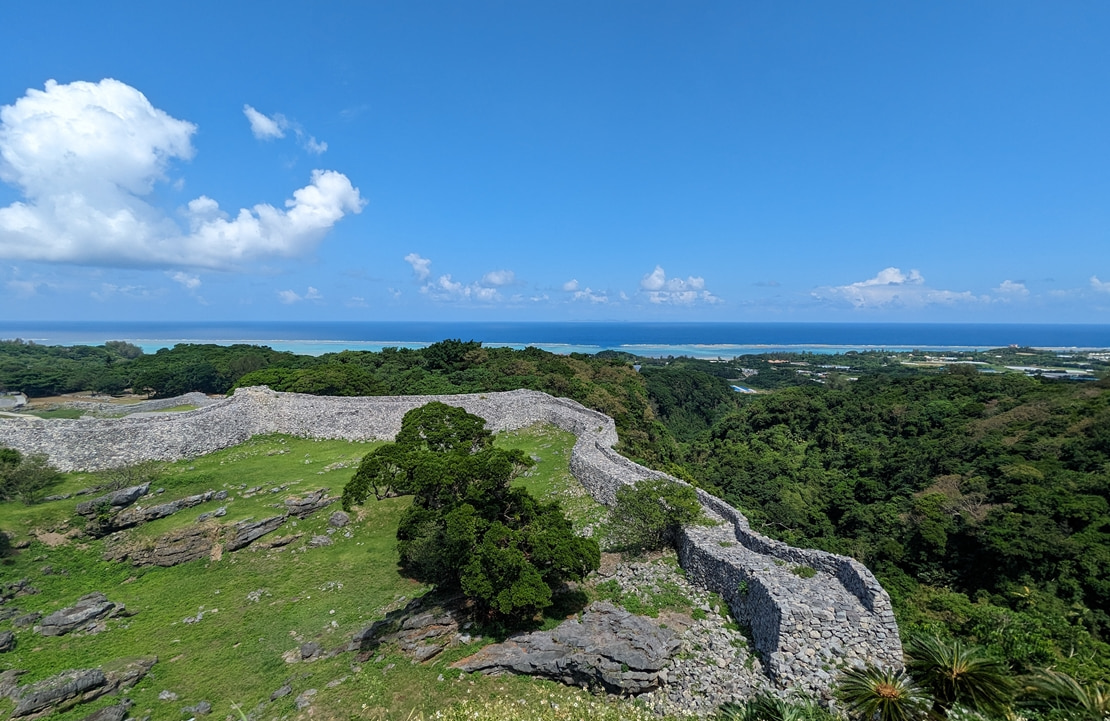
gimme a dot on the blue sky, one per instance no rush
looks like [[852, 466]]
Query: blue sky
[[740, 161]]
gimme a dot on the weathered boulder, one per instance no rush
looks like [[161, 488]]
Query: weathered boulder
[[26, 620], [15, 589], [75, 686], [179, 546], [137, 516], [305, 506], [244, 533], [7, 641], [339, 519], [202, 709], [68, 686], [126, 672], [9, 681], [112, 501], [218, 513], [111, 713], [88, 609], [131, 517], [608, 648], [421, 629]]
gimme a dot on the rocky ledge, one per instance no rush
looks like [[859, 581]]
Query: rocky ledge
[[608, 648], [88, 614], [69, 688]]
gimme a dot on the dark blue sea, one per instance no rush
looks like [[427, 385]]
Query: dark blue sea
[[705, 340]]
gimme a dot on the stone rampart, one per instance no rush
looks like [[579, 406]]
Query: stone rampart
[[809, 611]]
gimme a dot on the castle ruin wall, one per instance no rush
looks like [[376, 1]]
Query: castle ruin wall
[[805, 623]]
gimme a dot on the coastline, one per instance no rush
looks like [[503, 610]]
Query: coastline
[[700, 340]]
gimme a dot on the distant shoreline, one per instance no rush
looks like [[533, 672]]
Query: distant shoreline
[[701, 340]]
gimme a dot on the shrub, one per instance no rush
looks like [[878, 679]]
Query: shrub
[[647, 515], [25, 477]]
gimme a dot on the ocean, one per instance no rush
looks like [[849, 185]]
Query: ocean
[[703, 340]]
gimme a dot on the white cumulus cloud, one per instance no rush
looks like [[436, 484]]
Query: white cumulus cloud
[[587, 294], [422, 267], [289, 296], [265, 127], [312, 145], [84, 156], [677, 291], [1101, 286], [571, 285], [499, 277], [271, 127], [187, 281], [892, 288], [1012, 288]]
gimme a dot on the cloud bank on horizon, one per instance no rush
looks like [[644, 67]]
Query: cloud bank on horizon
[[86, 156]]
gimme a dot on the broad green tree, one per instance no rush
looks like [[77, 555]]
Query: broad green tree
[[468, 529]]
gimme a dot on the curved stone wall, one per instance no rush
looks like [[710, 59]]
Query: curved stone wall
[[810, 612]]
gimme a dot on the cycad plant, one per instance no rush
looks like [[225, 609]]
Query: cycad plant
[[955, 673], [1058, 690], [883, 694]]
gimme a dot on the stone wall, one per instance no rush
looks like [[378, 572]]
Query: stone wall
[[809, 611]]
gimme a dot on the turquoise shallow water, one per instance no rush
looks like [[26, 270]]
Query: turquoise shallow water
[[705, 340]]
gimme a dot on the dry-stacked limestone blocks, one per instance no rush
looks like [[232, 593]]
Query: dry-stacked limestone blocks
[[804, 623]]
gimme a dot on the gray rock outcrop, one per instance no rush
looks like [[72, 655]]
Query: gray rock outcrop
[[170, 549], [88, 610], [137, 516], [112, 501], [57, 690], [15, 589], [116, 712], [7, 641], [74, 686], [303, 507], [609, 648], [9, 681], [244, 533], [422, 629]]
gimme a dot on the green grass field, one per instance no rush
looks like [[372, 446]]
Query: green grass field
[[258, 604], [69, 413]]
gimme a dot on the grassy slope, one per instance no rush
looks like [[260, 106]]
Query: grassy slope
[[233, 654]]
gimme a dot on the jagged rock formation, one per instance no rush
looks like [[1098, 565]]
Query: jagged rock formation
[[179, 546], [86, 613], [244, 533], [112, 501], [608, 648], [803, 626], [309, 504], [75, 686], [117, 712], [207, 539], [114, 512]]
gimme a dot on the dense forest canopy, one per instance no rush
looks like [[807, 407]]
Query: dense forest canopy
[[976, 485]]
